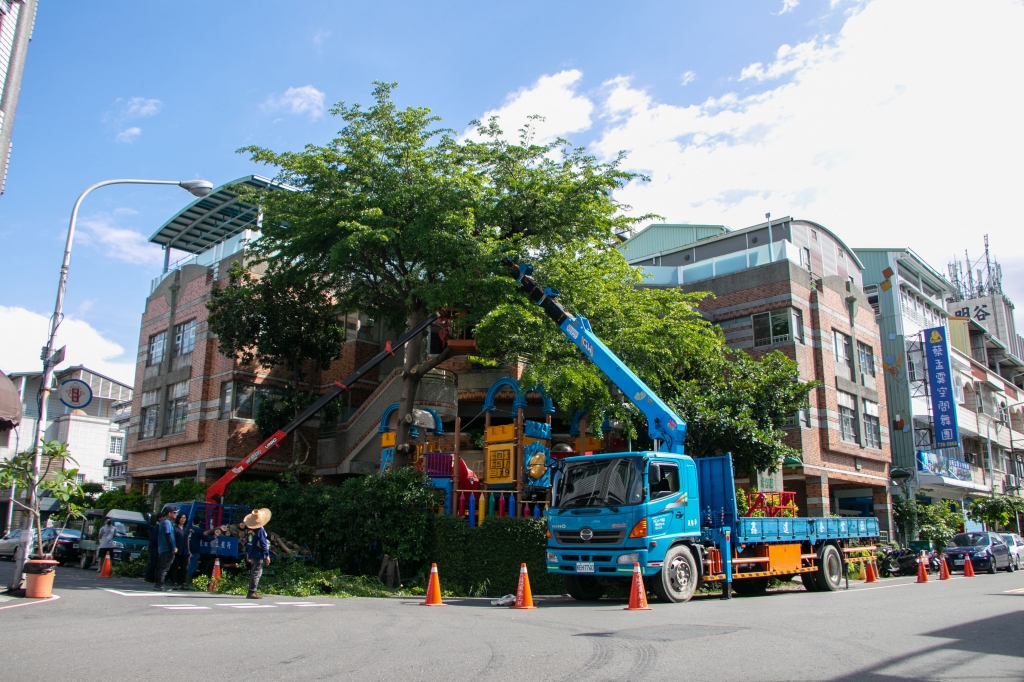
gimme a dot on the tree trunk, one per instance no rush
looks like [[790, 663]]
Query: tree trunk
[[412, 374]]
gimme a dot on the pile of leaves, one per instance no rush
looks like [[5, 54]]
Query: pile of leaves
[[298, 578]]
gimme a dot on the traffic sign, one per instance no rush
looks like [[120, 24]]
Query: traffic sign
[[75, 393]]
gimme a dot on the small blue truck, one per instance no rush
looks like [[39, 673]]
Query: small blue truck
[[673, 515], [209, 516]]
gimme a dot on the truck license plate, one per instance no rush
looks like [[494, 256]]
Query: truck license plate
[[74, 546], [585, 568], [136, 555], [958, 562]]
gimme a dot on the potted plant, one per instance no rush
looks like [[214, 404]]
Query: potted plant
[[19, 473]]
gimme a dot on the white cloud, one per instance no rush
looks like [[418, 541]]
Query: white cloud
[[687, 78], [303, 100], [141, 107], [902, 130], [129, 135], [101, 231], [319, 38], [789, 6], [553, 97], [26, 332]]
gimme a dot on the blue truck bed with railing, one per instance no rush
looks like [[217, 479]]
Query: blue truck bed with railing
[[717, 494]]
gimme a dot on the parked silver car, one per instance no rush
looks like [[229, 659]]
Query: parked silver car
[[1016, 545]]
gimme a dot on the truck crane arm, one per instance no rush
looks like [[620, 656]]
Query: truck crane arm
[[221, 485], [663, 424]]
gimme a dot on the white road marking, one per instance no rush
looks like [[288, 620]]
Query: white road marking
[[139, 593], [177, 607], [52, 597], [1019, 590], [299, 603], [249, 606]]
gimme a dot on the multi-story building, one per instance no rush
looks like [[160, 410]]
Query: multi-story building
[[90, 432], [17, 19], [909, 296], [117, 463], [794, 286]]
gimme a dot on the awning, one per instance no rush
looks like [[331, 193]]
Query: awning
[[10, 404]]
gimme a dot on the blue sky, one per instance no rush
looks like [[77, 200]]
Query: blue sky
[[888, 121]]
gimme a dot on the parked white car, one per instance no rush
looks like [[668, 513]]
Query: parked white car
[[1016, 545]]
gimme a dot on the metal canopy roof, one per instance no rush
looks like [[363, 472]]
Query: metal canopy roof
[[214, 218]]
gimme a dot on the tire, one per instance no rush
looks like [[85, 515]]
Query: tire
[[810, 581], [992, 566], [750, 587], [1010, 568], [583, 588], [85, 562], [677, 580], [830, 569]]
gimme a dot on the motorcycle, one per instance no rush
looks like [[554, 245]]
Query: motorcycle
[[903, 562]]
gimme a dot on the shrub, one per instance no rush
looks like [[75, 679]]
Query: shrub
[[131, 568], [119, 499]]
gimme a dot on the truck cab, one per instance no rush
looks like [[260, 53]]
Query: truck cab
[[612, 511], [131, 535]]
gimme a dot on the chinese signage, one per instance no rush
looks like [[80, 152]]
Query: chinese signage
[[940, 379], [940, 465]]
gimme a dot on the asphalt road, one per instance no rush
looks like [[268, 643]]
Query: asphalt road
[[963, 629]]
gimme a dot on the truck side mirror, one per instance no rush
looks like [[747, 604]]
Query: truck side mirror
[[654, 475]]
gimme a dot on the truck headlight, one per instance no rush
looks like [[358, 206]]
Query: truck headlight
[[551, 558], [628, 558], [118, 545]]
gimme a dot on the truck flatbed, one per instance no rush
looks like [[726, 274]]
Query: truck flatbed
[[803, 529]]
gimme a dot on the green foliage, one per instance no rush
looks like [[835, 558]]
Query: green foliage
[[938, 522], [904, 514], [278, 319], [185, 490], [731, 403], [119, 499], [54, 481], [353, 525], [996, 511], [485, 561], [299, 578], [131, 568]]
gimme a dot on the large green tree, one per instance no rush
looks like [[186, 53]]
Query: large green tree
[[731, 402], [400, 217]]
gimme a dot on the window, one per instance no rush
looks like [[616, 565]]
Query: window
[[177, 408], [844, 354], [669, 479], [871, 291], [847, 416], [116, 445], [865, 359], [227, 390], [814, 235], [798, 323], [150, 405], [771, 327], [872, 427], [155, 353], [184, 338], [80, 478], [248, 399]]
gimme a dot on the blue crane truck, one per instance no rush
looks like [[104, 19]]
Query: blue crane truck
[[674, 516]]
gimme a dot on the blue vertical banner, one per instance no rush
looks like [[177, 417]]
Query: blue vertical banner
[[940, 380]]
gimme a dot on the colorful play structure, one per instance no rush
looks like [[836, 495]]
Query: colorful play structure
[[514, 477]]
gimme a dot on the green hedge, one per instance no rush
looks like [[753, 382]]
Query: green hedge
[[485, 561]]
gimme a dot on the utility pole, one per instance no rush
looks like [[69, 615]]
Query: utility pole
[[12, 82]]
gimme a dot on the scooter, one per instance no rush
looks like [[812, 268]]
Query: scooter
[[899, 561]]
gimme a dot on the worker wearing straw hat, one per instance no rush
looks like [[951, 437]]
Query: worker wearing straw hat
[[259, 548]]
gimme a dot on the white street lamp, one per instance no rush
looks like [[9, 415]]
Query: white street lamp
[[199, 188]]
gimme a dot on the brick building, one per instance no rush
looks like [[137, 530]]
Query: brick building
[[794, 286]]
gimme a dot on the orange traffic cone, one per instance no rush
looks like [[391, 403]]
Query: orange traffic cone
[[524, 596], [433, 589], [922, 571], [968, 568], [637, 592], [215, 578], [943, 570], [872, 574], [105, 569]]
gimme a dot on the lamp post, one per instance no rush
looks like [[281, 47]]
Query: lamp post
[[199, 188]]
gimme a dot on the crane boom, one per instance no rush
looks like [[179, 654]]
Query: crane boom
[[663, 424], [221, 485]]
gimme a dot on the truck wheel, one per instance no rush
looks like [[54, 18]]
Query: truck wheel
[[810, 581], [830, 569], [85, 561], [677, 580], [583, 588], [750, 587]]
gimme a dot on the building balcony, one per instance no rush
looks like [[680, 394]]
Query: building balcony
[[664, 276]]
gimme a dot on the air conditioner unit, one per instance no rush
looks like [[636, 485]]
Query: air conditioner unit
[[1011, 481]]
